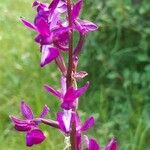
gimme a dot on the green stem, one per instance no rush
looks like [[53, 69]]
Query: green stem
[[70, 80]]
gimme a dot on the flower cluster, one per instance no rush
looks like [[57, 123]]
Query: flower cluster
[[53, 29], [54, 25]]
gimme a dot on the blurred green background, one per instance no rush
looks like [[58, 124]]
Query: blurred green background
[[117, 58]]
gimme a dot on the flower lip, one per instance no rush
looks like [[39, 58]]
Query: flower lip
[[35, 136]]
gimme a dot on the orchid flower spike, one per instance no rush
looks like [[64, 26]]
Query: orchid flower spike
[[69, 96], [30, 125]]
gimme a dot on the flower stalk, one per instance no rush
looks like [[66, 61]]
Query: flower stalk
[[70, 58]]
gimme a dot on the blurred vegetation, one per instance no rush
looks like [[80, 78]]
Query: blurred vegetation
[[117, 58]]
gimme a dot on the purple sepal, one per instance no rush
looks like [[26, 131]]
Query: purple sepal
[[44, 112], [52, 91], [84, 26], [76, 9], [35, 136], [88, 124], [28, 24], [20, 125], [26, 110], [53, 5], [112, 145]]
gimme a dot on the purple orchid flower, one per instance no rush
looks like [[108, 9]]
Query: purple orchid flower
[[67, 97], [67, 117], [83, 26], [51, 35], [30, 125], [65, 120]]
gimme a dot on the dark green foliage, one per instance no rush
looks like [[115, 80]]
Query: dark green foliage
[[118, 61]]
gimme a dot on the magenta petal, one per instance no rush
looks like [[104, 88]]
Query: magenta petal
[[43, 40], [44, 112], [42, 27], [20, 125], [93, 145], [26, 111], [16, 120], [112, 145], [35, 3], [28, 24], [82, 90], [67, 105], [53, 91], [53, 5], [61, 122], [70, 95], [76, 9], [48, 55], [88, 124], [35, 136], [88, 26], [61, 30]]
